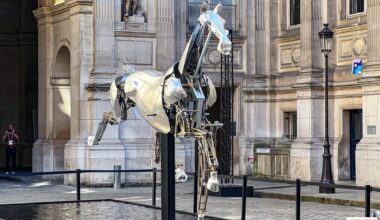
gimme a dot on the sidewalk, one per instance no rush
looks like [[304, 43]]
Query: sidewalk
[[33, 189], [310, 194]]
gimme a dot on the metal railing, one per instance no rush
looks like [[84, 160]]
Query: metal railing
[[228, 13], [78, 173], [298, 183]]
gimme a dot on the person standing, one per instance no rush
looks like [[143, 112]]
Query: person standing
[[10, 138]]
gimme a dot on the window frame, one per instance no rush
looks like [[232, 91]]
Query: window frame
[[288, 15], [290, 131], [349, 15]]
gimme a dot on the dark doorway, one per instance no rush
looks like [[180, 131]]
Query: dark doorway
[[19, 76], [356, 134]]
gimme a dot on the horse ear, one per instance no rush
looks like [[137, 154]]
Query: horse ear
[[218, 8], [204, 7]]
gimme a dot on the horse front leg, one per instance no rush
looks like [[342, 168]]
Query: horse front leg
[[207, 169], [107, 118]]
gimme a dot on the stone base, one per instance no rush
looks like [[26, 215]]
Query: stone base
[[306, 161], [368, 162], [98, 157], [48, 156], [135, 23]]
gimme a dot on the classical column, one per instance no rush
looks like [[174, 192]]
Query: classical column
[[368, 149], [306, 152], [166, 34], [104, 36]]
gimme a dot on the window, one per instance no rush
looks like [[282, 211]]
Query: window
[[356, 6], [294, 12], [290, 125]]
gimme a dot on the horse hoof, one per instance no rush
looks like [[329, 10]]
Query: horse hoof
[[213, 183]]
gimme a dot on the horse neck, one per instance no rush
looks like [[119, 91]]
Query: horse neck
[[193, 49]]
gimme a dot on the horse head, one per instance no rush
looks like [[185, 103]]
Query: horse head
[[215, 22]]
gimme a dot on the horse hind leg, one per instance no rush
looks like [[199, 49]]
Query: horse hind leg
[[207, 169], [202, 191], [212, 161]]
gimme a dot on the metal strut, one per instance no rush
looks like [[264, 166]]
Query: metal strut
[[107, 118]]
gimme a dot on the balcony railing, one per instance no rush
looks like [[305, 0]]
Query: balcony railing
[[228, 13]]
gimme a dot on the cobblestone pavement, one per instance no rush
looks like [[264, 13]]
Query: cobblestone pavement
[[35, 190]]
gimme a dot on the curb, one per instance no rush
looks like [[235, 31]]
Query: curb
[[317, 199]]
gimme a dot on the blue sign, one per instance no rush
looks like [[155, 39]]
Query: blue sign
[[357, 66]]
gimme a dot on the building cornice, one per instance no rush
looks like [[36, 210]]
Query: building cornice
[[137, 34], [42, 12], [350, 29]]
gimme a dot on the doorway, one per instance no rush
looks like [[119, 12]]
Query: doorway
[[356, 134]]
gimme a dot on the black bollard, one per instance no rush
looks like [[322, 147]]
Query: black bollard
[[244, 198], [298, 199], [368, 190], [167, 176], [154, 187], [78, 184]]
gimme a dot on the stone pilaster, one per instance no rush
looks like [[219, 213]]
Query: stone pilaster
[[43, 147], [181, 16], [306, 151], [368, 150], [257, 121], [104, 12], [166, 34]]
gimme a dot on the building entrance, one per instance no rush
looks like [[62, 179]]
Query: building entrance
[[19, 77], [356, 134]]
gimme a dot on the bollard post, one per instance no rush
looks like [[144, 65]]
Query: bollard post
[[78, 184], [244, 197], [195, 193], [154, 187], [298, 199], [117, 177], [368, 190]]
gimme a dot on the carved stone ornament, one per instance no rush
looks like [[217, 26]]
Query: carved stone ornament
[[296, 55], [214, 57], [358, 46]]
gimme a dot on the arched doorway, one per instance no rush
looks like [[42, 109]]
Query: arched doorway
[[61, 107]]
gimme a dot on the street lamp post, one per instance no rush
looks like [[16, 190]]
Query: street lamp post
[[326, 40]]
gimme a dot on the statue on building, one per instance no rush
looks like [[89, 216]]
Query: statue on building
[[134, 8]]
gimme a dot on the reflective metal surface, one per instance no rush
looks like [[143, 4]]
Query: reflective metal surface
[[184, 92]]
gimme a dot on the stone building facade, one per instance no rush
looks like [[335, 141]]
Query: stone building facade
[[278, 71]]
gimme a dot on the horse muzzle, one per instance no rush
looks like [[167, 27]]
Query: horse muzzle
[[225, 47]]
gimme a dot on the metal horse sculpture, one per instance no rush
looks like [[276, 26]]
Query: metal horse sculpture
[[183, 91]]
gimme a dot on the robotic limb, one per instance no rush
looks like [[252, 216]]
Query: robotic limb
[[107, 118], [207, 164]]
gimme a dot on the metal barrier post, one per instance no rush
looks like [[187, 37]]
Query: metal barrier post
[[167, 176], [195, 193], [78, 171], [368, 200], [298, 199], [117, 177], [244, 197], [154, 187]]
